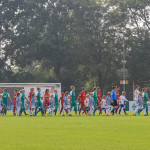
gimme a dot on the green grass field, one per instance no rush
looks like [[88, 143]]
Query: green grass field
[[75, 133]]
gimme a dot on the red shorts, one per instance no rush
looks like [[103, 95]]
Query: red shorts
[[82, 104], [46, 104]]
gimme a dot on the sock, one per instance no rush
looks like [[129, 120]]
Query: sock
[[147, 111], [119, 111], [35, 112], [85, 110], [124, 111], [80, 110], [42, 111], [95, 110], [66, 111], [63, 111], [144, 111], [75, 110], [45, 111], [69, 111]]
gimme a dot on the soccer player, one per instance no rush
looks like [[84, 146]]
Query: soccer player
[[145, 99], [69, 103], [104, 104], [46, 100], [5, 96], [18, 102], [1, 91], [51, 105], [118, 98], [23, 97], [33, 103], [15, 95], [73, 102], [114, 100], [29, 97], [62, 100], [121, 103], [136, 93], [87, 103], [82, 101], [38, 102], [56, 101], [66, 102], [95, 100], [140, 104], [91, 103], [99, 99], [108, 100]]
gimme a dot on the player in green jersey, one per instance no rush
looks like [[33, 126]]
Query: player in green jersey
[[5, 97], [38, 102], [55, 96], [73, 101], [145, 99], [95, 100], [23, 97]]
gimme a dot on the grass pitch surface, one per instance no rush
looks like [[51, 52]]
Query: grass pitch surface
[[75, 133]]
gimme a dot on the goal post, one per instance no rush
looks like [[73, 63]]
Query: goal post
[[27, 86]]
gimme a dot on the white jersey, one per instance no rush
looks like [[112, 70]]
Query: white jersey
[[104, 103], [122, 99], [136, 93], [70, 93], [87, 102]]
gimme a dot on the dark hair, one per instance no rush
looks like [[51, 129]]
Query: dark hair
[[66, 93], [83, 88], [18, 94], [136, 86], [5, 89], [46, 90], [64, 90], [113, 87], [94, 88], [32, 94], [38, 88]]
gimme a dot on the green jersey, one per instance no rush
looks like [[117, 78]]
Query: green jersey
[[72, 94], [145, 96], [5, 97], [95, 97], [38, 96], [22, 99], [56, 98]]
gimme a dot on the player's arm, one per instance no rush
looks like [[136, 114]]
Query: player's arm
[[9, 98]]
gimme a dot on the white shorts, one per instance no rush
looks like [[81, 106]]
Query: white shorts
[[140, 107], [65, 106]]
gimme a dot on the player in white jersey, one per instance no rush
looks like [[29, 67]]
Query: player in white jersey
[[91, 103], [122, 99], [18, 100], [69, 103], [33, 101], [108, 100], [1, 100], [136, 93], [51, 105], [87, 103], [66, 103], [104, 105]]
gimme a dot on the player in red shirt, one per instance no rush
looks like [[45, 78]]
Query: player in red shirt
[[46, 100], [1, 92], [117, 94], [82, 101], [62, 101], [30, 96], [99, 99], [15, 95]]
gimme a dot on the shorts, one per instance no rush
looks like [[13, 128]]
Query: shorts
[[65, 106], [38, 104], [114, 103], [145, 106], [140, 107], [73, 104], [121, 105], [82, 104], [46, 104], [32, 106], [4, 104], [95, 104], [56, 105]]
